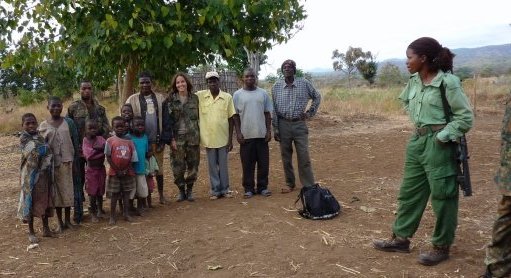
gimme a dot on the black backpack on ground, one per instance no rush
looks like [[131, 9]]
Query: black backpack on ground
[[318, 203]]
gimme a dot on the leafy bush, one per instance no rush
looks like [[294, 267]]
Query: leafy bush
[[26, 97]]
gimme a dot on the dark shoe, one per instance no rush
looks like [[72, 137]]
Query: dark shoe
[[189, 194], [182, 195], [265, 193], [437, 255], [395, 244], [487, 274]]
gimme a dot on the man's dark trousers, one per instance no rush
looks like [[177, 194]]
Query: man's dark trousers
[[255, 152]]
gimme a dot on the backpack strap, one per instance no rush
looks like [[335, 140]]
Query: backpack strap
[[300, 197]]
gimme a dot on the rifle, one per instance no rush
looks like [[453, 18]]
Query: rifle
[[462, 157], [463, 177]]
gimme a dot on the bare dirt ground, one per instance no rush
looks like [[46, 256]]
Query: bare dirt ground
[[359, 159]]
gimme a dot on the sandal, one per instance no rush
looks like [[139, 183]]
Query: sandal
[[265, 193], [287, 189], [248, 195]]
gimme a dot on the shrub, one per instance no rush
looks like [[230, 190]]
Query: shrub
[[26, 97]]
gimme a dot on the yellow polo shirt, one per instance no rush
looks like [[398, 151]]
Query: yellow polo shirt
[[213, 118]]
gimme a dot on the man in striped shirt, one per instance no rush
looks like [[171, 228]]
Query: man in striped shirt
[[290, 99]]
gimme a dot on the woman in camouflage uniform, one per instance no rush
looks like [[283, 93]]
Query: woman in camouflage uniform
[[182, 126]]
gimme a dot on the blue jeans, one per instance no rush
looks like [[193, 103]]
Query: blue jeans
[[218, 170]]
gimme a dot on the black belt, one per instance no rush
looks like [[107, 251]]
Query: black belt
[[289, 120], [427, 129]]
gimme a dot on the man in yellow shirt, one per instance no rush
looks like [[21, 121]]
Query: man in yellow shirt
[[216, 110]]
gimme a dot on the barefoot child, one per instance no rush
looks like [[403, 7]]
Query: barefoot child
[[62, 136], [36, 171], [141, 143], [127, 115], [93, 148], [151, 171], [120, 153]]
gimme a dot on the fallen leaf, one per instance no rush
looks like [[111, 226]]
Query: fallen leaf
[[32, 246], [214, 267], [367, 209]]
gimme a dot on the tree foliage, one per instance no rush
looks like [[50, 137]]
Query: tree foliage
[[353, 59], [390, 75], [106, 37], [272, 78], [464, 72], [368, 69]]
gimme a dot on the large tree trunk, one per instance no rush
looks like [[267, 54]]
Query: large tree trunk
[[118, 83], [253, 60], [129, 80]]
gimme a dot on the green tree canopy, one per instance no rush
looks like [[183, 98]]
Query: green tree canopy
[[354, 59], [121, 37]]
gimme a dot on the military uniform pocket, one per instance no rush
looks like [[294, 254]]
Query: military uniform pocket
[[442, 183]]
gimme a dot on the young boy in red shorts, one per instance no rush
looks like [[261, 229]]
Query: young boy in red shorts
[[120, 153]]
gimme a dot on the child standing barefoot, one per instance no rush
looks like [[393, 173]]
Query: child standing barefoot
[[151, 171], [93, 148], [36, 170], [120, 154], [61, 135], [141, 143], [127, 115]]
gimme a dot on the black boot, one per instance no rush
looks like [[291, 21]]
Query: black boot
[[394, 244], [437, 255], [189, 193], [182, 193], [159, 182], [487, 273]]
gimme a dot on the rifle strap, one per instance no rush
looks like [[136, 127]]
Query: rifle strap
[[445, 103]]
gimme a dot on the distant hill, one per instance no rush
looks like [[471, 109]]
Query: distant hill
[[492, 59], [486, 60]]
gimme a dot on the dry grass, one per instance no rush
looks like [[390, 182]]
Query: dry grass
[[11, 122], [365, 102], [484, 93]]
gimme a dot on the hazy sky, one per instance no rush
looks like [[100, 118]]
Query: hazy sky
[[387, 27]]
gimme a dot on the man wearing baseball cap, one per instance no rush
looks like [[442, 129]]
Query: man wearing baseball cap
[[216, 111]]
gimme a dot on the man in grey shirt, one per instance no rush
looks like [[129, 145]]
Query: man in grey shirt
[[252, 122], [290, 98]]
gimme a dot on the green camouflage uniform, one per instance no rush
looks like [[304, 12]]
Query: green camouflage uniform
[[187, 156], [79, 113], [498, 253]]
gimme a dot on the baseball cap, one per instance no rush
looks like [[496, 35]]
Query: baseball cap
[[210, 74]]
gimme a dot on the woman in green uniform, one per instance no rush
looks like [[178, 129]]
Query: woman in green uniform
[[430, 166]]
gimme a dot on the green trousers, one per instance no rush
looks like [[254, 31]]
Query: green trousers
[[430, 169]]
